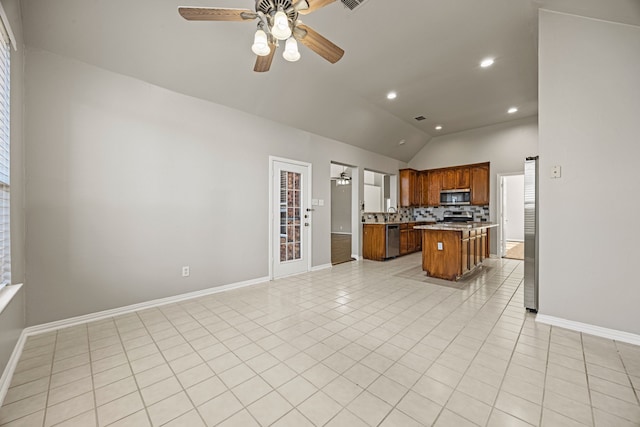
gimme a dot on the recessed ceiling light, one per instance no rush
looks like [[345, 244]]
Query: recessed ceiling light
[[402, 142], [439, 127], [487, 62], [512, 110], [392, 95]]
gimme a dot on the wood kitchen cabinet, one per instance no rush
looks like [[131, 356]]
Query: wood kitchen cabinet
[[423, 188], [456, 178], [411, 241], [464, 252], [445, 262], [462, 178], [449, 179], [434, 179], [450, 254], [404, 239], [479, 175], [409, 188], [373, 241]]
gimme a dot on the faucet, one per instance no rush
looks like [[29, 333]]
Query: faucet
[[394, 209]]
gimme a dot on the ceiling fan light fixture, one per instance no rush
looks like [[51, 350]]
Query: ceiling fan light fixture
[[260, 44], [281, 29], [291, 52]]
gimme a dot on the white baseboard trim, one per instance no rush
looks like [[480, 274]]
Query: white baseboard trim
[[321, 267], [73, 321], [5, 380], [7, 375], [612, 334]]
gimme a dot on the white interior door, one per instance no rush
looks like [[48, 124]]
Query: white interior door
[[291, 248]]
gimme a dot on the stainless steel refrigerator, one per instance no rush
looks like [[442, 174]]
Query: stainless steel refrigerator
[[531, 234]]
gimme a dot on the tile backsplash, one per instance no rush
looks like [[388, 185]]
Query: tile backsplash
[[480, 214]]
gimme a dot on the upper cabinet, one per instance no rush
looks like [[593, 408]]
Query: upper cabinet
[[480, 184], [456, 178], [435, 180], [422, 188], [409, 195]]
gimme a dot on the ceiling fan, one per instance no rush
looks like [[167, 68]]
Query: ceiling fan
[[277, 21], [343, 179]]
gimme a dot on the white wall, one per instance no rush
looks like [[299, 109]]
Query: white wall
[[514, 209], [505, 145], [126, 182], [589, 104]]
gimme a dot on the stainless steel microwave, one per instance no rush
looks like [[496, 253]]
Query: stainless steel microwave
[[455, 197]]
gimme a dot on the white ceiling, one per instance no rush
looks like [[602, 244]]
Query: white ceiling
[[426, 50]]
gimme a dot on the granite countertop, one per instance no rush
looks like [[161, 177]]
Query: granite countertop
[[456, 226], [399, 222]]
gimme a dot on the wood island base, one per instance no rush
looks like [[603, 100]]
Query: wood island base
[[452, 253]]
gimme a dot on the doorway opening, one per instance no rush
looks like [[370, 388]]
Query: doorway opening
[[511, 216], [342, 183]]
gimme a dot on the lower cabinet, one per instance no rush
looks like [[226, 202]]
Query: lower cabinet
[[449, 254], [374, 241], [404, 239]]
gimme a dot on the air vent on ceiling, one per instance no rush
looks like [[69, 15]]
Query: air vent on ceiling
[[421, 118], [352, 4]]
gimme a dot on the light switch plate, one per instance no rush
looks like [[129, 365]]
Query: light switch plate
[[314, 202], [321, 202], [556, 172], [439, 246]]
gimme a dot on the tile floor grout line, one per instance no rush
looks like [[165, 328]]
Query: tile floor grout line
[[135, 380], [451, 341], [546, 373], [476, 355], [160, 351], [626, 371], [586, 374], [388, 315]]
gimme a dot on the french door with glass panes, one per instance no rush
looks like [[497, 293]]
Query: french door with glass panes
[[291, 250]]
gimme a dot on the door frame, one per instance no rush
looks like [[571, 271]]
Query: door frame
[[355, 210], [500, 208], [308, 189]]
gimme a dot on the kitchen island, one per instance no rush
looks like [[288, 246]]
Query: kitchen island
[[451, 250]]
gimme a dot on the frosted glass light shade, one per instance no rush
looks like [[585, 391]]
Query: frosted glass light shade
[[260, 44], [291, 53], [281, 29]]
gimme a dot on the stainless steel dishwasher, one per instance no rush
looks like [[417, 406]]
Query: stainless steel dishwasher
[[392, 247]]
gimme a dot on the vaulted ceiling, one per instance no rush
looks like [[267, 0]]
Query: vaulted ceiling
[[428, 51]]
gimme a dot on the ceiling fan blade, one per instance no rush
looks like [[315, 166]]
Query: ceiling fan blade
[[315, 5], [320, 45], [263, 63], [215, 14]]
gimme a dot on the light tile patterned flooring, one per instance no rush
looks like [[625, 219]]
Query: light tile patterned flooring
[[362, 344]]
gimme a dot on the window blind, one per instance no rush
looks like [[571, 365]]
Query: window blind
[[5, 241]]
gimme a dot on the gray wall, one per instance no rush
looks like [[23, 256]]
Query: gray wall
[[514, 209], [12, 319], [340, 208], [505, 145], [589, 104], [127, 182]]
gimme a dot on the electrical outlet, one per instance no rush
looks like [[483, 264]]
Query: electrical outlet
[[440, 246], [185, 271]]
